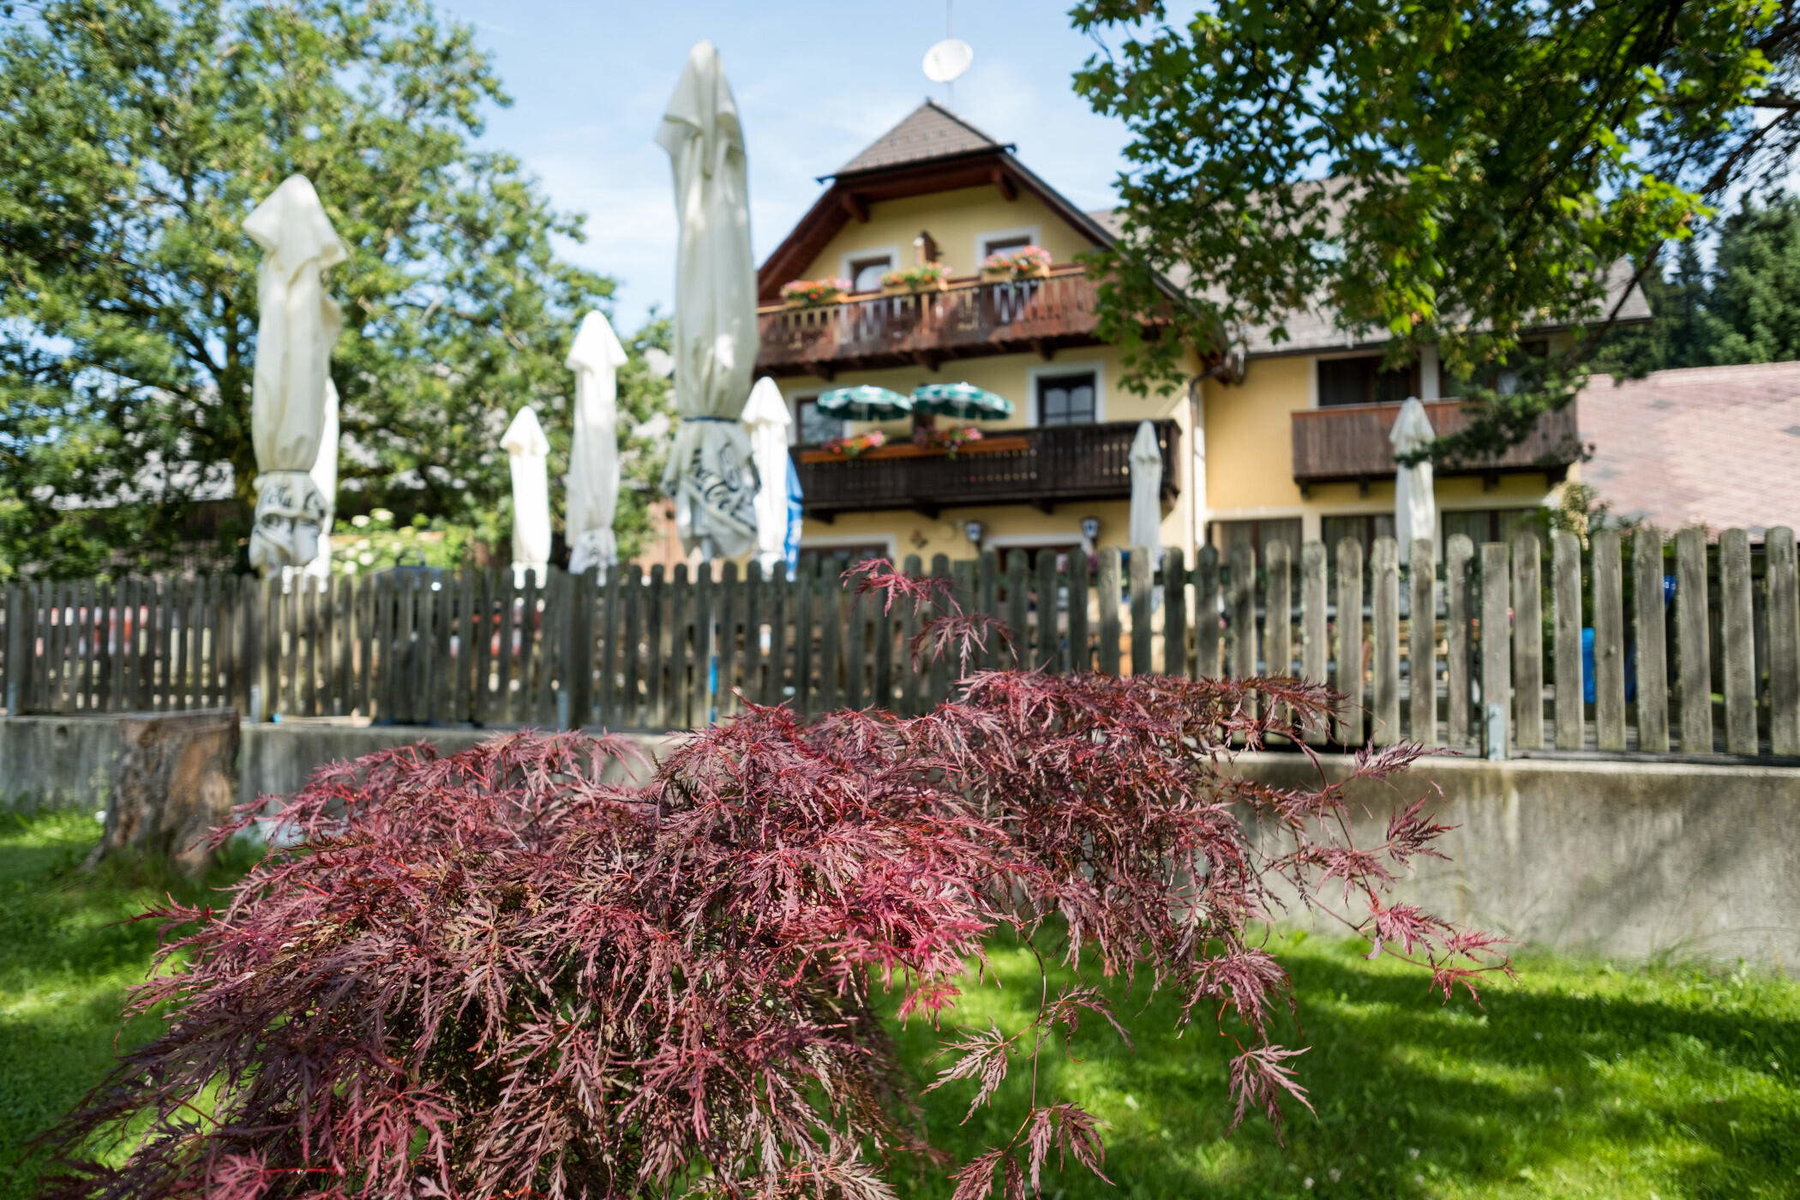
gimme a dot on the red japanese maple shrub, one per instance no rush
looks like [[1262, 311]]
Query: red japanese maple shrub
[[495, 974]]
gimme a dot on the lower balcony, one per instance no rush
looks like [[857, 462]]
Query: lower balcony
[[1349, 443], [1042, 467]]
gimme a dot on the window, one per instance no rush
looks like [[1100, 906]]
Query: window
[[1364, 527], [1002, 245], [1363, 381], [1484, 524], [865, 271], [1258, 535], [840, 558], [812, 427], [1071, 399], [1506, 377]]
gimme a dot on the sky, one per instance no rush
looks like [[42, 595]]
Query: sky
[[815, 80]]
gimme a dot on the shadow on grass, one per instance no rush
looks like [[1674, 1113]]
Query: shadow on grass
[[68, 953], [1575, 1081]]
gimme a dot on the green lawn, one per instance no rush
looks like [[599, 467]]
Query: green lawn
[[1580, 1080]]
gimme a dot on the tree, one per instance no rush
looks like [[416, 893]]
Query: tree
[[1443, 174], [496, 974], [1751, 310], [139, 135]]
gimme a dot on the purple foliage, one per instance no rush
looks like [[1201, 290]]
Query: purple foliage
[[496, 974]]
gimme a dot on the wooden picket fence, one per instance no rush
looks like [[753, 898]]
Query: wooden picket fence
[[1693, 648]]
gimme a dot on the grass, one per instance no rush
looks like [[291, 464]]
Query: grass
[[1582, 1079]]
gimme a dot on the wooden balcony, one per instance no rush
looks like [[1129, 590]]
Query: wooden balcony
[[1349, 443], [1042, 467], [966, 320]]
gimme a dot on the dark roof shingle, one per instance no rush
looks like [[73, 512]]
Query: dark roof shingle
[[929, 131]]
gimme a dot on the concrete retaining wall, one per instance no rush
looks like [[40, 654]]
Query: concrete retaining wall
[[1626, 859], [1630, 859]]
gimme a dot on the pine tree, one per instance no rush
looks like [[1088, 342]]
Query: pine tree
[[1751, 312]]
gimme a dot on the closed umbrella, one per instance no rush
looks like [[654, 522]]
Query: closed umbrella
[[964, 401], [865, 402], [296, 326], [710, 475], [1415, 507], [1146, 487], [766, 420], [593, 482], [529, 450], [324, 476]]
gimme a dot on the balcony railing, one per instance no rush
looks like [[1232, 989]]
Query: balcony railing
[[966, 320], [1029, 466], [1349, 444]]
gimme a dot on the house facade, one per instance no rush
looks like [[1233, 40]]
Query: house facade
[[1295, 447]]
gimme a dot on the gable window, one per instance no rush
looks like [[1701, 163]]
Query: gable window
[[1002, 245], [812, 427], [1071, 399], [865, 271], [1364, 381]]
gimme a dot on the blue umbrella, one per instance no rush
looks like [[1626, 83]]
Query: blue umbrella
[[796, 513], [964, 401], [865, 402]]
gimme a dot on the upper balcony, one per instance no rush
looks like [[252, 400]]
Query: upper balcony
[[1043, 467], [966, 320], [1349, 443]]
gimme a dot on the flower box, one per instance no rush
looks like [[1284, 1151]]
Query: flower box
[[814, 293], [1027, 262], [929, 277]]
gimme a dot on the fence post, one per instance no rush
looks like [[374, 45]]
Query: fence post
[[1735, 616], [1528, 642], [1609, 642], [1143, 566], [1784, 641], [1496, 649], [578, 653], [1421, 644], [1206, 614], [1278, 610], [1693, 642], [1109, 611], [1241, 606], [18, 650], [1651, 638], [1175, 651], [1565, 585], [1458, 623], [1350, 641], [1384, 578]]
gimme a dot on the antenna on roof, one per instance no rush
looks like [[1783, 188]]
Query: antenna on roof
[[948, 59]]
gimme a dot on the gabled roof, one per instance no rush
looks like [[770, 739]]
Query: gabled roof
[[931, 150], [1712, 446], [929, 132]]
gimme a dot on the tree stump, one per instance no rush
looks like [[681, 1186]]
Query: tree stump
[[176, 781]]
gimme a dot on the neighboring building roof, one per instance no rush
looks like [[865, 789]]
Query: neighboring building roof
[[930, 131], [1712, 446], [1316, 329]]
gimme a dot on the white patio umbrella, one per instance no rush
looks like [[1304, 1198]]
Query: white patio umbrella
[[296, 326], [324, 477], [767, 421], [1146, 487], [710, 475], [529, 450], [593, 481], [1415, 507]]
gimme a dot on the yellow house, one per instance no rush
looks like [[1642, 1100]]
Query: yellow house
[[1294, 446]]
